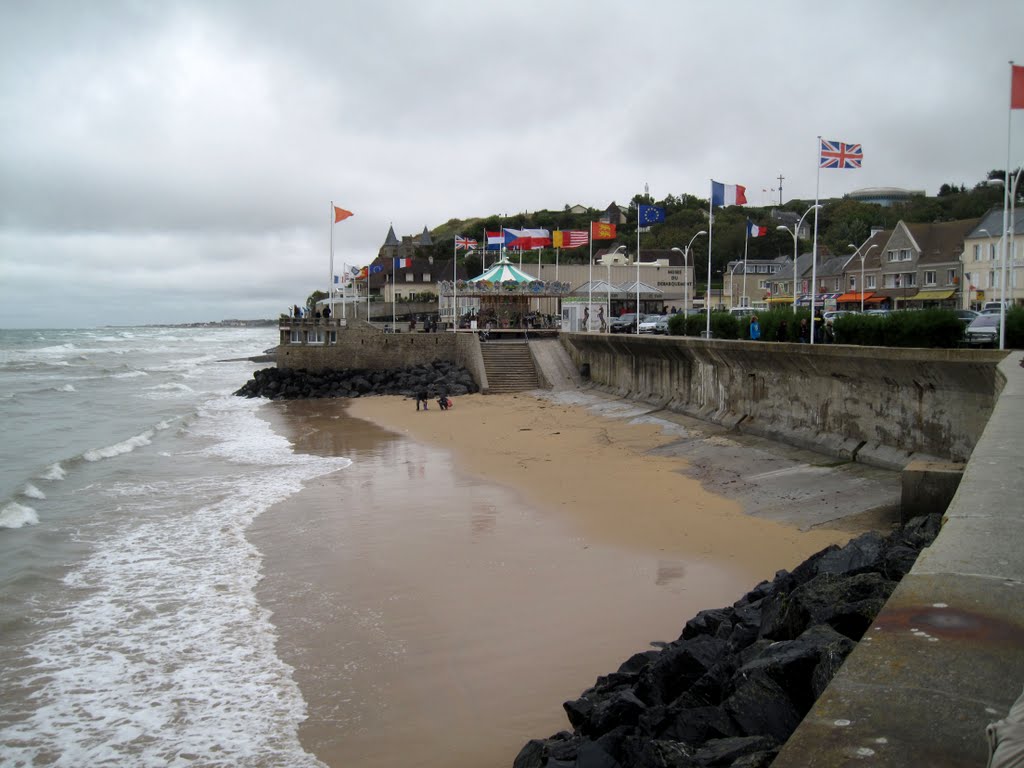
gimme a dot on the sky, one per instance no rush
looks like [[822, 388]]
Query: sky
[[172, 162]]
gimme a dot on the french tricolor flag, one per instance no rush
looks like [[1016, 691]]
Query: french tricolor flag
[[727, 194], [403, 263], [755, 231]]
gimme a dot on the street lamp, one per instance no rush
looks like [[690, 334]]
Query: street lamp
[[608, 264], [794, 232], [1009, 203], [732, 274], [686, 266], [863, 256]]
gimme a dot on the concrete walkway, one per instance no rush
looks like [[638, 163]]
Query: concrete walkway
[[946, 654]]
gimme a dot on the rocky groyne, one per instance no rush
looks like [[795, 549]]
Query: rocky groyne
[[437, 378], [738, 680]]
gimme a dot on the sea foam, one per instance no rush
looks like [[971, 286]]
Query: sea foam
[[54, 472], [31, 492], [117, 449], [162, 641], [15, 515]]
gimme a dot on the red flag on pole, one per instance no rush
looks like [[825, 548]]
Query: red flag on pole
[[1017, 88], [341, 214]]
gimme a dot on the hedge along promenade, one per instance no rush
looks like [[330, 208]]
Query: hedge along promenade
[[878, 405], [927, 328]]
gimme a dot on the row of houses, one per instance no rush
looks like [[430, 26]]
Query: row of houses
[[954, 264], [943, 264]]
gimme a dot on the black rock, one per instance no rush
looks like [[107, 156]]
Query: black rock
[[727, 751]]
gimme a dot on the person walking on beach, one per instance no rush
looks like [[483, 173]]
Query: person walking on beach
[[421, 397]]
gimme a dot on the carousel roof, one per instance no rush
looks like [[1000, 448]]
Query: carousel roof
[[501, 271]]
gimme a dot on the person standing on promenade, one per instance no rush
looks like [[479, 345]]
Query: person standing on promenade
[[782, 332], [755, 328], [804, 336]]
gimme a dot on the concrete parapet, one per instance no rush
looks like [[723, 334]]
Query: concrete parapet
[[943, 658], [882, 406], [928, 487]]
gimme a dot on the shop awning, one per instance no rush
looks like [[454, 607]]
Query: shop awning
[[874, 300], [933, 295], [851, 296], [779, 300]]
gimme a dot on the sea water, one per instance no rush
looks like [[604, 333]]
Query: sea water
[[129, 629]]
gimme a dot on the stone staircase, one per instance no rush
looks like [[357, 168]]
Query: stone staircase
[[509, 366]]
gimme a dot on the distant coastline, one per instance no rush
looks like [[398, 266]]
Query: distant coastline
[[263, 323]]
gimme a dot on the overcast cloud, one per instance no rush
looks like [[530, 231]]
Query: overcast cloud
[[175, 162]]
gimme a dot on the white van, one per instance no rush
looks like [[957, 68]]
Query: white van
[[990, 307]]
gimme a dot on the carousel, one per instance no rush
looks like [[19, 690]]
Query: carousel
[[503, 297]]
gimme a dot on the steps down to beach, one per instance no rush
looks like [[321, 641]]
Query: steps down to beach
[[509, 366]]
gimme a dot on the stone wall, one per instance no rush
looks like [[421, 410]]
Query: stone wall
[[878, 405], [363, 347]]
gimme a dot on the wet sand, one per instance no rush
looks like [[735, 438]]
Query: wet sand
[[472, 569]]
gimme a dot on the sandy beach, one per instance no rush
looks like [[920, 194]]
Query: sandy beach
[[440, 598]]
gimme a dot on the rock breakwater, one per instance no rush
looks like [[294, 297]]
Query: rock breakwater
[[439, 377], [737, 682]]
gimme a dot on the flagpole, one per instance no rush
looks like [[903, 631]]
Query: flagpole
[[455, 289], [394, 317], [590, 277], [1007, 245], [638, 269], [711, 231], [814, 246], [330, 281], [746, 245]]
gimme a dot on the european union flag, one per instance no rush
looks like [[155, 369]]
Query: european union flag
[[650, 214]]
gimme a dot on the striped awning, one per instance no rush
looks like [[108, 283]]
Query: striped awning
[[503, 271]]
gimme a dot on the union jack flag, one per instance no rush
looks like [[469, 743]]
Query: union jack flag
[[464, 243], [835, 154]]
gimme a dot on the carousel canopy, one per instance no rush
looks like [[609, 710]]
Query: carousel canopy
[[501, 271]]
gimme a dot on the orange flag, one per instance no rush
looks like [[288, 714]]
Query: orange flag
[[600, 230], [341, 214], [1017, 87]]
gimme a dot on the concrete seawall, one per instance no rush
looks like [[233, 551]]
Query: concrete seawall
[[875, 405], [945, 656]]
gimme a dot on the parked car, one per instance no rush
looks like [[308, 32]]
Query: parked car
[[654, 324], [983, 331], [878, 312], [623, 323], [966, 315], [832, 314], [993, 306]]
